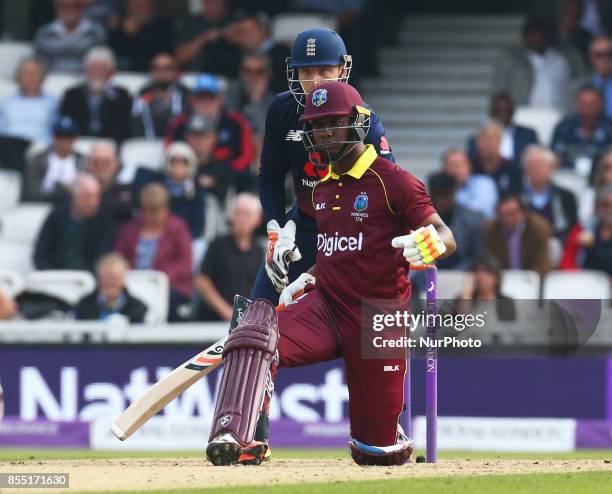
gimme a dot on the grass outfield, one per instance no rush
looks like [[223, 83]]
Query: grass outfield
[[11, 454], [576, 483], [572, 481]]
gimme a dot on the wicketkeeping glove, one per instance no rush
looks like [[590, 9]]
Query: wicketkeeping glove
[[423, 246], [296, 288], [281, 251]]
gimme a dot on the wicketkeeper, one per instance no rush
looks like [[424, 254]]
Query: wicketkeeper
[[372, 218]]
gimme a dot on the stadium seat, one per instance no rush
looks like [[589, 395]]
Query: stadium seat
[[22, 223], [576, 285], [543, 120], [8, 87], [189, 78], [521, 284], [132, 81], [11, 54], [450, 284], [286, 26], [68, 285], [16, 256], [139, 152], [11, 282], [84, 144], [10, 185], [152, 288], [56, 83]]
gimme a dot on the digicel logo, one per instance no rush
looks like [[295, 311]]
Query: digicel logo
[[335, 243]]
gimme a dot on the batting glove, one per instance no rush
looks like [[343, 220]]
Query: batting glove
[[296, 288], [423, 246], [281, 251]]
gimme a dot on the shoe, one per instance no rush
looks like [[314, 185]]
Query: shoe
[[225, 450], [255, 453]]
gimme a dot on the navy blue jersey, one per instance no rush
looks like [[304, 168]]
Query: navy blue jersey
[[283, 151]]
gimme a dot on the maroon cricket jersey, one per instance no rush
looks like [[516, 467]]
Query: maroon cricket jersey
[[357, 214]]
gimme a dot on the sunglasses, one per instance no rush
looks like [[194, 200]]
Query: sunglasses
[[602, 54], [163, 67]]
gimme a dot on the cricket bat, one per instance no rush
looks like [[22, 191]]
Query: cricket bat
[[181, 378]]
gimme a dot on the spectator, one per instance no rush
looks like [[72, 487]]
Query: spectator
[[103, 164], [535, 74], [598, 245], [160, 101], [231, 262], [140, 35], [30, 113], [202, 45], [579, 139], [49, 174], [597, 18], [600, 56], [75, 234], [63, 43], [515, 138], [250, 94], [601, 177], [483, 284], [518, 239], [251, 34], [111, 297], [569, 30], [99, 108], [234, 142], [158, 240], [8, 310], [489, 161], [474, 191], [178, 176], [212, 176], [464, 222], [554, 204]]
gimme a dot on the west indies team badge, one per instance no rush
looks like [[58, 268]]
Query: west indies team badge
[[319, 97], [361, 202]]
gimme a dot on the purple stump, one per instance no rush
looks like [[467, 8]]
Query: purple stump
[[431, 371]]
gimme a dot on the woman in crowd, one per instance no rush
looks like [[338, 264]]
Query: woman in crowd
[[159, 240], [178, 176]]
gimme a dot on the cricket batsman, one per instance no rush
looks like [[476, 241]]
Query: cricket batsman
[[373, 220], [317, 55]]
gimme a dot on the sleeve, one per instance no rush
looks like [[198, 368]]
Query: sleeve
[[178, 267], [273, 170], [408, 198], [376, 136], [210, 262], [44, 244]]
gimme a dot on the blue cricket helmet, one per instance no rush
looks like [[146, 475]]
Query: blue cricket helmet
[[316, 47]]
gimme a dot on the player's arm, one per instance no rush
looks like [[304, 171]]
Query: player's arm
[[274, 168]]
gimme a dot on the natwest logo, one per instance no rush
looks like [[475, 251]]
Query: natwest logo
[[330, 244]]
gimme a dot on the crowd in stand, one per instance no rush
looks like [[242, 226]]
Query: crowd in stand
[[497, 194]]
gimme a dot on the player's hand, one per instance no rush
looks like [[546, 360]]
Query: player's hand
[[281, 251], [295, 289], [423, 246]]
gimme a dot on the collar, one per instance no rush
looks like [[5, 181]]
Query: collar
[[359, 168], [59, 27]]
